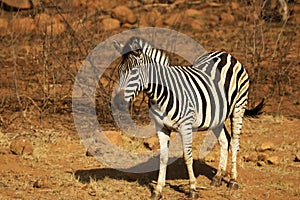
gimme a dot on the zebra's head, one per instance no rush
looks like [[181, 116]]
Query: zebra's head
[[132, 68]]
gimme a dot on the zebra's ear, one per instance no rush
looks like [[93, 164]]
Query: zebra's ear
[[119, 47], [135, 47], [134, 44]]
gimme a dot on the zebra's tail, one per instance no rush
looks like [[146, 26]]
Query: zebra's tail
[[257, 110]]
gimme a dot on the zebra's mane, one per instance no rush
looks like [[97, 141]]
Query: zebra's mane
[[158, 55]]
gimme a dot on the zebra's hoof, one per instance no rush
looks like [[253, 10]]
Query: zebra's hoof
[[216, 181], [155, 196], [193, 194], [233, 185]]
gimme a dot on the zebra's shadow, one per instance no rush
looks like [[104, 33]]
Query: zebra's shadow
[[176, 170]]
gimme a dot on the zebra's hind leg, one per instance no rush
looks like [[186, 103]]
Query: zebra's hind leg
[[223, 138], [164, 138], [236, 126]]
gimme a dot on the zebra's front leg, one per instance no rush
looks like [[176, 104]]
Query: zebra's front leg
[[164, 139], [222, 135], [187, 139], [236, 126]]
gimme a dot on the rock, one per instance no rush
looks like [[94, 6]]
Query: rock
[[88, 153], [147, 1], [190, 18], [109, 24], [106, 4], [42, 20], [22, 25], [21, 146], [152, 18], [197, 24], [36, 3], [265, 146], [4, 151], [193, 13], [297, 157], [41, 183], [273, 160], [152, 143], [166, 1], [174, 19], [262, 156], [227, 18], [61, 18], [210, 158], [251, 158], [235, 5], [127, 25], [123, 14], [77, 3], [20, 4], [114, 137], [260, 163], [3, 26], [56, 29]]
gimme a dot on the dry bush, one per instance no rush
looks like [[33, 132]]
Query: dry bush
[[40, 63]]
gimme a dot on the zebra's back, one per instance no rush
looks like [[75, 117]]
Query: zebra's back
[[227, 72]]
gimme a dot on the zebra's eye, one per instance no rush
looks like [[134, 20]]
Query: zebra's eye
[[134, 71]]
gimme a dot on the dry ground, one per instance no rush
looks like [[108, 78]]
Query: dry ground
[[59, 168]]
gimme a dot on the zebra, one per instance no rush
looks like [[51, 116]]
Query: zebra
[[182, 98]]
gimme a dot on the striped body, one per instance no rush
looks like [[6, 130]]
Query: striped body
[[182, 98], [204, 93]]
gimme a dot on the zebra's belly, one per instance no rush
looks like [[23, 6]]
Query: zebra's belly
[[163, 120], [201, 123], [197, 121]]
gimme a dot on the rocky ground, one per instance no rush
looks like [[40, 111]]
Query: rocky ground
[[43, 44]]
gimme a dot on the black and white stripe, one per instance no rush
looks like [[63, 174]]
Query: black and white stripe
[[182, 98]]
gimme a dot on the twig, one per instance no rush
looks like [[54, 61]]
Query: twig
[[277, 41]]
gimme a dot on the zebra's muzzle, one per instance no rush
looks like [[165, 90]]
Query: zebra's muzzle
[[119, 101]]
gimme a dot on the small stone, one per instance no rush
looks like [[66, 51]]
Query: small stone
[[4, 151], [152, 18], [123, 14], [56, 29], [297, 157], [193, 13], [3, 26], [41, 183], [173, 19], [114, 137], [106, 4], [21, 146], [265, 146], [88, 153], [22, 25], [92, 192], [235, 5], [260, 163], [42, 20], [109, 24], [262, 157], [251, 158], [152, 143], [21, 4], [273, 160], [197, 24], [227, 18], [147, 1], [210, 158]]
